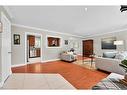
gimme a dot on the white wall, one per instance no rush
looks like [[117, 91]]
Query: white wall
[[121, 35], [4, 11], [18, 51], [0, 55]]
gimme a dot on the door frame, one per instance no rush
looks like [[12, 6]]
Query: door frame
[[10, 72], [33, 34]]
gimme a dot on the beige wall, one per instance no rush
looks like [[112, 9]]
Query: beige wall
[[18, 51], [121, 35]]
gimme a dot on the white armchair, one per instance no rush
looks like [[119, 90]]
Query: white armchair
[[68, 57]]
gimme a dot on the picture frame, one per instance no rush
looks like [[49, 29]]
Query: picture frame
[[1, 27], [108, 43], [66, 42], [16, 39], [53, 42]]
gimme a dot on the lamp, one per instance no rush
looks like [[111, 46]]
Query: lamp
[[120, 42]]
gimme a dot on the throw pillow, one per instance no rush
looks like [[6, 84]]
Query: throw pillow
[[109, 54]]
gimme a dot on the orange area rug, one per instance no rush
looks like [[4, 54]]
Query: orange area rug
[[78, 76]]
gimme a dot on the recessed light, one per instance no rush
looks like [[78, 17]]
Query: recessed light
[[86, 9]]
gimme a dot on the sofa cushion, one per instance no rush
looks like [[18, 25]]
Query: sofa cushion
[[71, 53], [121, 56], [109, 54]]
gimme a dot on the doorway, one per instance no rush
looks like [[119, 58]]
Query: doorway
[[87, 48], [33, 48]]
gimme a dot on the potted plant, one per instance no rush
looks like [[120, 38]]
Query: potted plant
[[124, 65]]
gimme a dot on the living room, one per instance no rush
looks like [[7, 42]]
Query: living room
[[64, 63]]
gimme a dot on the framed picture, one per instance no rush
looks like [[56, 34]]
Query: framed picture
[[108, 43], [53, 41], [0, 27], [16, 39], [66, 42]]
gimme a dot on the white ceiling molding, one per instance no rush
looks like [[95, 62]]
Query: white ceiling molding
[[99, 34], [8, 11], [70, 20], [45, 30]]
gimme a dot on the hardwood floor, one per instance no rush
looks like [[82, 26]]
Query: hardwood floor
[[78, 76]]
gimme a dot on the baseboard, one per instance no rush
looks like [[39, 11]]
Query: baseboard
[[50, 60], [17, 65]]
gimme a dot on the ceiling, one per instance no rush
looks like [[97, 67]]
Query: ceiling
[[74, 20]]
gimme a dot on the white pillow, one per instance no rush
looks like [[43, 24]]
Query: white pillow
[[109, 54], [125, 53], [70, 53], [121, 56]]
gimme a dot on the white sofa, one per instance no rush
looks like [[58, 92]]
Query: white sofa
[[70, 57], [109, 64]]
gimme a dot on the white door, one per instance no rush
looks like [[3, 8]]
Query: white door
[[6, 47]]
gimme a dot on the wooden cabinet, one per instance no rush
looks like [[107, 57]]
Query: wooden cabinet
[[31, 40], [38, 52], [87, 48]]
